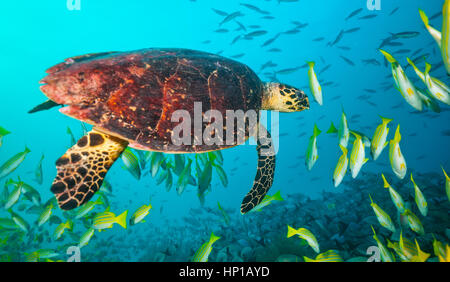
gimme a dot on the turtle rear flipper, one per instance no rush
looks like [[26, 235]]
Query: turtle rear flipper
[[83, 167], [264, 174]]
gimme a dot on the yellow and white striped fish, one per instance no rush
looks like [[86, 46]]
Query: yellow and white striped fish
[[445, 38], [443, 253], [447, 184], [140, 214], [441, 38], [357, 156], [421, 202], [306, 235], [341, 167], [395, 196], [414, 222], [312, 154], [386, 255], [203, 252], [438, 89], [421, 256], [314, 84], [46, 213], [398, 163], [328, 256], [379, 138], [436, 34], [403, 84], [14, 196], [59, 231], [86, 237], [428, 100], [106, 219], [405, 249], [383, 218], [343, 131], [446, 256]]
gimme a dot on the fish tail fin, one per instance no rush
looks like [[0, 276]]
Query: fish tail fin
[[370, 197], [344, 150], [3, 132], [397, 136], [307, 259], [291, 231], [213, 238], [427, 68], [277, 196], [390, 244], [311, 64], [386, 184], [355, 134], [373, 230], [122, 219], [386, 120], [446, 176], [332, 129], [99, 201], [411, 62], [69, 224], [388, 56], [412, 180], [424, 17], [316, 130], [27, 150]]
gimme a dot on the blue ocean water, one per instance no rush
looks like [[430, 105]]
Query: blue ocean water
[[39, 34]]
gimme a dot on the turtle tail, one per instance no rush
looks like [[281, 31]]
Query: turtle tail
[[264, 174], [81, 170]]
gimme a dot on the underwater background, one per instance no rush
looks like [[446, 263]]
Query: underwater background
[[354, 76]]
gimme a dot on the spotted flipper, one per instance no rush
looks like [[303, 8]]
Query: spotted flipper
[[264, 174], [82, 168]]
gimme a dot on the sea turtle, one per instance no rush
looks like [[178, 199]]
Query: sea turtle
[[130, 99]]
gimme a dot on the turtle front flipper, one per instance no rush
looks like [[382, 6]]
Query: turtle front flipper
[[265, 171], [83, 167]]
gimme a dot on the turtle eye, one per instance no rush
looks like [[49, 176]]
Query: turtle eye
[[81, 77]]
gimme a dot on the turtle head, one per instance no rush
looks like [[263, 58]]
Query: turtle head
[[72, 84], [283, 98]]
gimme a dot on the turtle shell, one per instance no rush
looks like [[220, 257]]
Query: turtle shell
[[133, 95]]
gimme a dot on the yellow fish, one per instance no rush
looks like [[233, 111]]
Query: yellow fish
[[398, 163], [306, 235], [403, 84], [379, 138], [328, 256], [383, 218], [106, 219], [441, 38], [421, 202], [447, 184], [395, 196], [341, 167], [314, 84], [386, 255]]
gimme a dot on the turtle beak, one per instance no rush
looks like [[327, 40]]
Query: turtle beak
[[303, 101], [62, 88], [50, 89]]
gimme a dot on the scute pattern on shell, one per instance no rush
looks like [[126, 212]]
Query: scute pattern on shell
[[139, 91]]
